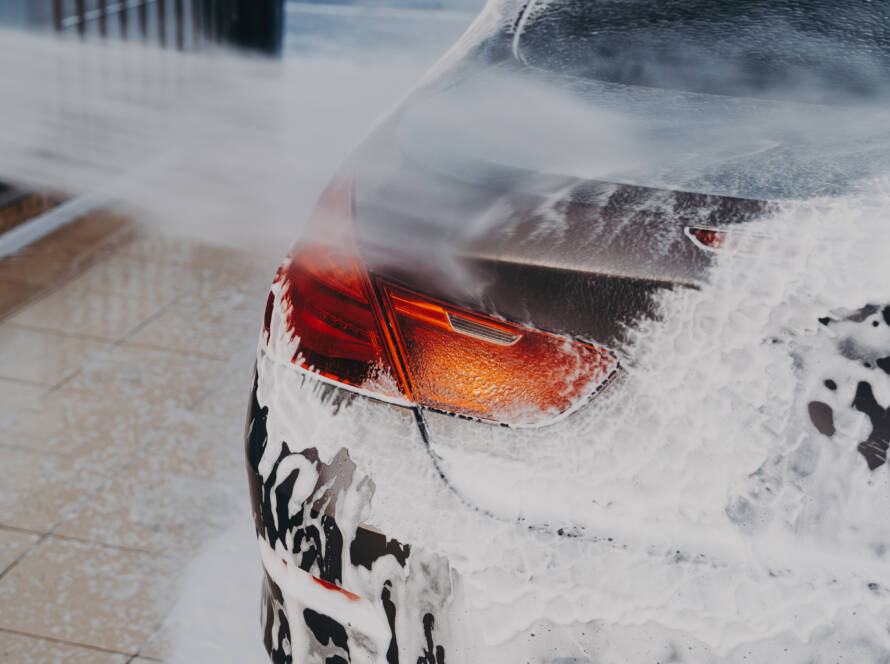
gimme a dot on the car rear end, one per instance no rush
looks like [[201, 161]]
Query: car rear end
[[436, 390], [454, 448]]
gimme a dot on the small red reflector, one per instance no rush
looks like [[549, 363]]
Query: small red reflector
[[330, 586], [707, 237], [726, 239]]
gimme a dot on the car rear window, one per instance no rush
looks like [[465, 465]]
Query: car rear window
[[802, 50]]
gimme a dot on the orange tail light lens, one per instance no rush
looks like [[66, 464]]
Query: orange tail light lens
[[480, 367], [401, 345]]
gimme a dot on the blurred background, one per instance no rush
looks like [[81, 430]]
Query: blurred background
[[156, 157], [308, 27]]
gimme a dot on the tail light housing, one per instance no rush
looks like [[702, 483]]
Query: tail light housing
[[329, 306], [334, 319]]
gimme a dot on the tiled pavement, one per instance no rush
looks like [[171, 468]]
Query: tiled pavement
[[125, 362]]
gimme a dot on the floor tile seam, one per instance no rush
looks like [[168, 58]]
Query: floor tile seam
[[66, 642], [85, 336], [51, 533], [116, 343], [125, 338], [160, 312], [31, 450], [168, 261], [59, 283], [19, 529], [40, 537], [178, 351], [152, 634], [111, 471], [21, 381], [154, 553], [139, 454], [77, 506], [119, 341], [24, 554]]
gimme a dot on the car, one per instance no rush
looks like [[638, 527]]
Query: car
[[564, 367]]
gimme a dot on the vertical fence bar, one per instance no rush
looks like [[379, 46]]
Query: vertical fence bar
[[162, 22], [103, 18], [123, 16], [196, 24], [57, 15], [143, 19], [179, 10], [80, 9], [212, 23]]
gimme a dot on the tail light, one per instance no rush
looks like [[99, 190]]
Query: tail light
[[400, 345], [715, 239], [707, 238]]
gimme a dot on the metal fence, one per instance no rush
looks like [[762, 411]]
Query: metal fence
[[182, 24]]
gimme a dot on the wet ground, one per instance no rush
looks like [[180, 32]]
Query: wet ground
[[122, 391]]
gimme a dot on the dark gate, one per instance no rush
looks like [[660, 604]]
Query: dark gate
[[183, 24]]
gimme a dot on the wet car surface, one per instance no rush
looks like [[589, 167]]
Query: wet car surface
[[454, 445]]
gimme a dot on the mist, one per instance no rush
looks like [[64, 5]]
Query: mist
[[220, 146], [235, 149]]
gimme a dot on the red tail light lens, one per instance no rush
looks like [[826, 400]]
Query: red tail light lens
[[401, 345], [329, 305]]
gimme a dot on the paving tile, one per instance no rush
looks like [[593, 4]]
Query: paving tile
[[71, 310], [175, 495], [21, 649], [228, 403], [13, 543], [141, 278], [159, 645], [199, 446], [38, 490], [153, 380], [88, 594], [14, 294], [113, 457], [221, 323], [99, 434], [172, 249], [42, 357], [155, 511], [16, 400], [251, 277]]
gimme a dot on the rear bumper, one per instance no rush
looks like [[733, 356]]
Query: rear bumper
[[471, 587]]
